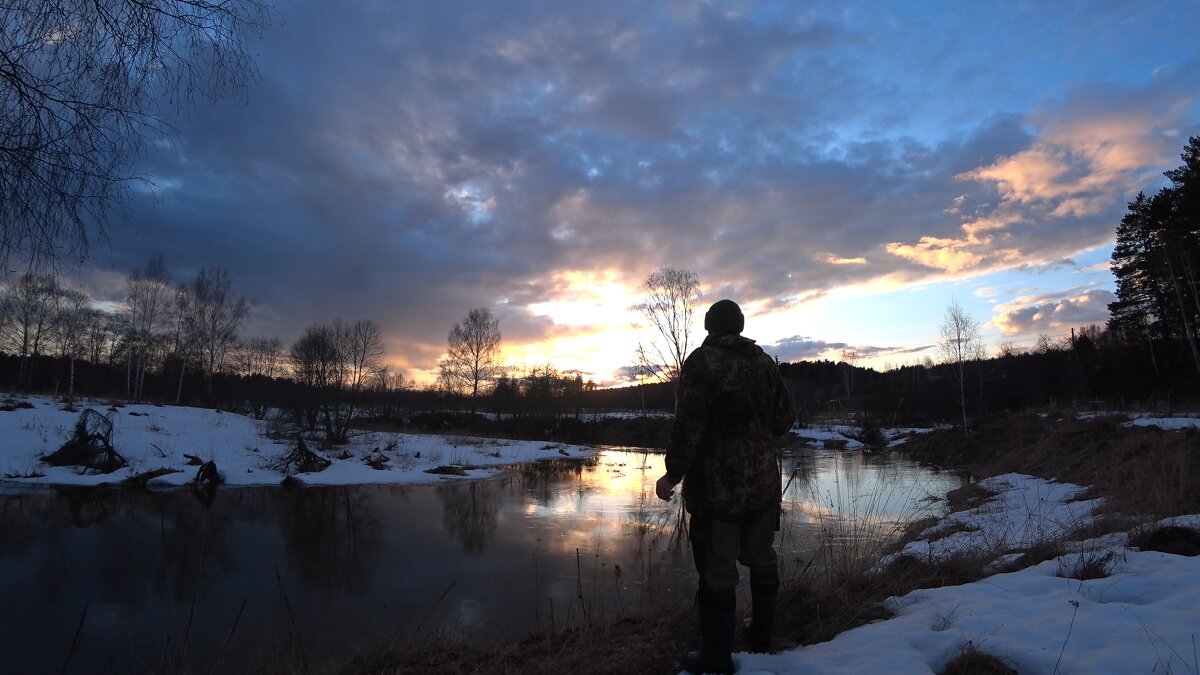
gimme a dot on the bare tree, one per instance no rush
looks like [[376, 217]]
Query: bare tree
[[71, 325], [362, 344], [28, 308], [849, 359], [385, 386], [668, 307], [960, 345], [262, 356], [83, 85], [100, 340], [146, 312], [214, 319], [314, 356], [181, 344], [644, 368], [472, 352], [337, 362]]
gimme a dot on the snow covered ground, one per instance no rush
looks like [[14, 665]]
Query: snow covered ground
[[1025, 512], [1144, 617], [157, 437], [1176, 422], [829, 437], [839, 436]]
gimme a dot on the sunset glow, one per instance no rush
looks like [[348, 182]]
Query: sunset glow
[[826, 166]]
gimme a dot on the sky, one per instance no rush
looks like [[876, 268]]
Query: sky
[[842, 170]]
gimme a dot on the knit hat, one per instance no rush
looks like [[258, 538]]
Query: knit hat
[[724, 318]]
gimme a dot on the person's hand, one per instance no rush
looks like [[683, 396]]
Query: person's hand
[[664, 488]]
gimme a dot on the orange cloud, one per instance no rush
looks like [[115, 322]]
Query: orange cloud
[[1083, 160], [1076, 165], [832, 259], [948, 255]]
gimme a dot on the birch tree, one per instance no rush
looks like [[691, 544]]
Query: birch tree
[[148, 297], [960, 345], [216, 313], [71, 326], [668, 308]]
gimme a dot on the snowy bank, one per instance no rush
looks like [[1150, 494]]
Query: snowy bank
[[841, 436], [1173, 423], [158, 437], [1140, 618], [1024, 512]]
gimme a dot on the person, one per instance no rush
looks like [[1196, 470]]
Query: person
[[730, 404]]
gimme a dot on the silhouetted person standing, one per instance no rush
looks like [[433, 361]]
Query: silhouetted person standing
[[730, 404]]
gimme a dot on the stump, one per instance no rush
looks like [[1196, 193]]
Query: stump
[[377, 460], [90, 447], [207, 475], [305, 460], [205, 483]]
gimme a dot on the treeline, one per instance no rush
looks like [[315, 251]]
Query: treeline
[[159, 331], [1148, 353], [1092, 367]]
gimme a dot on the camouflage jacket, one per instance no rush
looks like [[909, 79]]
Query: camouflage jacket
[[730, 403]]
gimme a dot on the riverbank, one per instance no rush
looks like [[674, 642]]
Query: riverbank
[[163, 445], [1057, 532], [1026, 572]]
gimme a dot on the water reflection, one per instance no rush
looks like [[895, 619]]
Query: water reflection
[[543, 546], [469, 512], [332, 535]]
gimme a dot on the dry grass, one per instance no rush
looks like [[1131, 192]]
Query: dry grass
[[972, 661], [645, 644], [1170, 539], [1143, 473], [1041, 551], [967, 497]]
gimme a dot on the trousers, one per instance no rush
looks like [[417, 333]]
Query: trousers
[[719, 542]]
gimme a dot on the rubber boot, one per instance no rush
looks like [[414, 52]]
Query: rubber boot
[[716, 643], [758, 633]]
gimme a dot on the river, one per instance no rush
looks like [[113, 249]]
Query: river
[[137, 580]]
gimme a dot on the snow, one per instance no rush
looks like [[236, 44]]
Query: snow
[[1141, 618], [839, 435], [595, 415], [599, 415], [1168, 423], [835, 436], [1176, 422], [157, 437], [1026, 511]]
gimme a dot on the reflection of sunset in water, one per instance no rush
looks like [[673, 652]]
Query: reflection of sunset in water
[[607, 502], [539, 547]]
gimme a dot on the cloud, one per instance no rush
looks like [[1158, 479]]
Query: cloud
[[800, 348], [832, 259], [1090, 148], [1088, 154], [1053, 313], [407, 162]]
